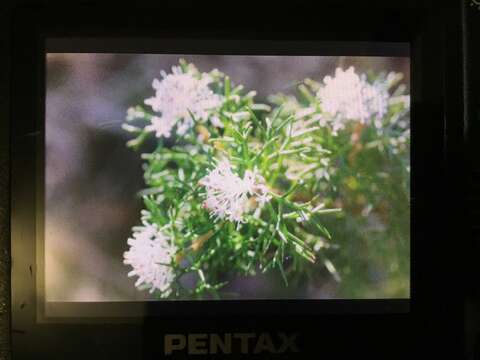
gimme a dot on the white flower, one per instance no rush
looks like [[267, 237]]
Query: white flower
[[150, 255], [161, 127], [348, 96], [180, 96], [229, 196]]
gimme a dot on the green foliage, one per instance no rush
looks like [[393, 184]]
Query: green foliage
[[334, 200]]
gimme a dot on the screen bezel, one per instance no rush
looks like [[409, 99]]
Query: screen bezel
[[429, 149]]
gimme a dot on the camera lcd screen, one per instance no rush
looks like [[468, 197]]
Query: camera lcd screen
[[226, 177]]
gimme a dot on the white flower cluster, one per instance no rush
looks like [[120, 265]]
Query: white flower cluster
[[180, 98], [229, 196], [348, 96], [150, 255]]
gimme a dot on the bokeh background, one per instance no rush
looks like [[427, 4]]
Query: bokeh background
[[92, 178]]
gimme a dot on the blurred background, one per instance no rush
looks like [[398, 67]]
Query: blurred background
[[92, 179]]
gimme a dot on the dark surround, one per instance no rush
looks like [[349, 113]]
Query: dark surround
[[435, 322], [5, 343], [471, 31]]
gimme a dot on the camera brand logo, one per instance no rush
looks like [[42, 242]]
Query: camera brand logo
[[228, 343]]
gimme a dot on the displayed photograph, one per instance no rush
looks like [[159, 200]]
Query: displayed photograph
[[203, 177]]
